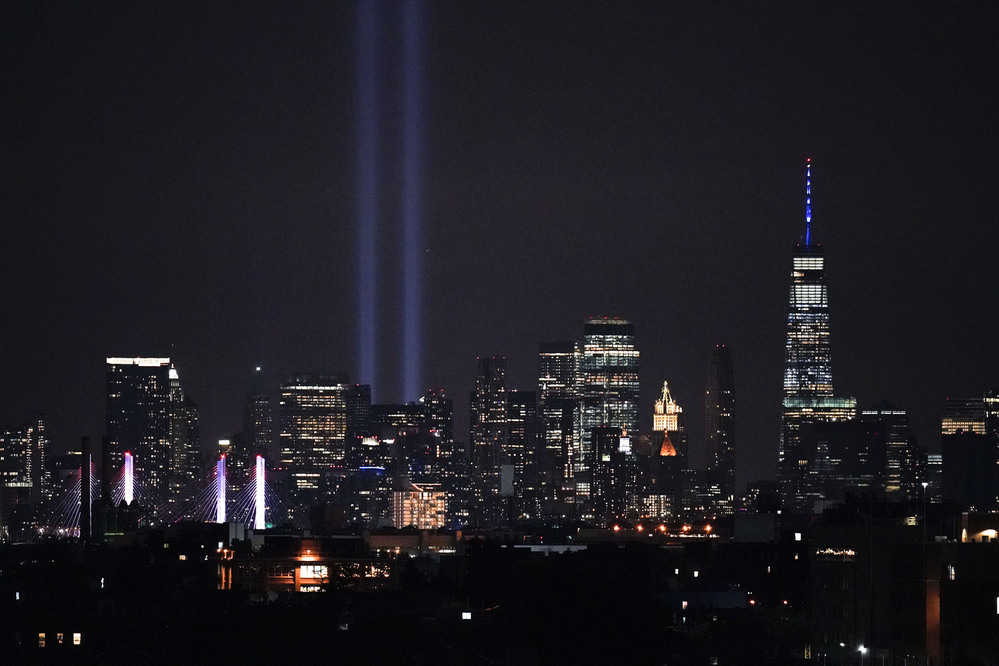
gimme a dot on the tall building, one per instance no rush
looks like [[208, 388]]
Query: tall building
[[313, 433], [440, 417], [149, 414], [24, 453], [258, 427], [905, 461], [488, 422], [25, 481], [609, 387], [970, 450], [719, 427], [522, 439], [559, 417], [808, 386]]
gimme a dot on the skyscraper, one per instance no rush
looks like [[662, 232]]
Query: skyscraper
[[905, 461], [559, 415], [969, 444], [609, 386], [488, 422], [313, 434], [149, 414], [488, 438], [808, 387], [522, 439], [719, 430]]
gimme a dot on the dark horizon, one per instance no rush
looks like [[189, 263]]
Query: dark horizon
[[180, 180]]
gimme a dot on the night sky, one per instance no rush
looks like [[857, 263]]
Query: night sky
[[179, 179]]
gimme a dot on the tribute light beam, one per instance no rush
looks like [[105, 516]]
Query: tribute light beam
[[412, 197], [367, 189]]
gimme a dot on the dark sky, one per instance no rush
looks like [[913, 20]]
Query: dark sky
[[178, 178]]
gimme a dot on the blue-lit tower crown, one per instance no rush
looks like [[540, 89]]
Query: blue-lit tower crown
[[808, 361]]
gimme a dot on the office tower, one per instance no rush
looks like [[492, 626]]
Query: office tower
[[25, 480], [358, 412], [719, 427], [24, 452], [258, 427], [185, 441], [808, 387], [150, 415], [905, 461], [845, 457], [970, 454], [934, 478], [558, 373], [521, 448], [609, 387], [488, 423], [440, 416], [313, 429], [487, 442], [559, 418]]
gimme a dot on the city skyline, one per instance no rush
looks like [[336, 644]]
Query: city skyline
[[181, 183]]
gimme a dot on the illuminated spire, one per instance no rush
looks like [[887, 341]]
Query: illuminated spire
[[808, 201]]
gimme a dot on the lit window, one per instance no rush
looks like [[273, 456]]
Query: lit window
[[41, 640], [59, 638], [77, 637]]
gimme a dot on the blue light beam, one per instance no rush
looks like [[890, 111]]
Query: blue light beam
[[367, 189], [412, 198]]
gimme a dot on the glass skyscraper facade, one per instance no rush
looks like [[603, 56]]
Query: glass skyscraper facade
[[808, 387], [609, 386]]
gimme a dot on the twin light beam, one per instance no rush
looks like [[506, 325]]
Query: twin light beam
[[368, 187]]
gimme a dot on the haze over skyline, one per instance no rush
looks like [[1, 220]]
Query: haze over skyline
[[179, 180]]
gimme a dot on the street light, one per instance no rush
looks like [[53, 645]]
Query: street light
[[862, 650]]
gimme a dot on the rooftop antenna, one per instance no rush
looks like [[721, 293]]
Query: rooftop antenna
[[808, 201]]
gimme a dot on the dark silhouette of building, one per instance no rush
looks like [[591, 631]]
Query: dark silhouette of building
[[970, 450], [150, 415], [719, 423]]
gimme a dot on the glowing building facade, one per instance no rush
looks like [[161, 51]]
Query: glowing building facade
[[608, 387], [666, 413], [421, 506], [808, 387], [313, 429]]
